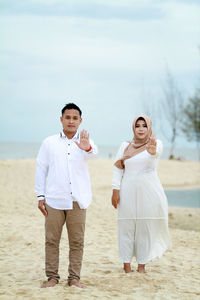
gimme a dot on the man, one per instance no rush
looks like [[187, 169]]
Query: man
[[64, 192]]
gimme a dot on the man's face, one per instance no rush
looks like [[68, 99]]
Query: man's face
[[71, 120]]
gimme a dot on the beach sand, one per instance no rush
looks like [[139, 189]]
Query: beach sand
[[175, 276]]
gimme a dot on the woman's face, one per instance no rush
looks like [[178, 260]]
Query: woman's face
[[141, 130]]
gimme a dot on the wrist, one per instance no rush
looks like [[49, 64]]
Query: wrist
[[152, 153], [90, 148], [115, 191]]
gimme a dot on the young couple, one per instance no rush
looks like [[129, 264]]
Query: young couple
[[64, 193]]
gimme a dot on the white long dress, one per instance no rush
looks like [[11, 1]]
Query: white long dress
[[142, 213]]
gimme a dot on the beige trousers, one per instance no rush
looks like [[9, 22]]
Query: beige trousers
[[75, 223]]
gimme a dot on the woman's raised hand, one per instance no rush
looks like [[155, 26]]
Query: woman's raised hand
[[151, 146]]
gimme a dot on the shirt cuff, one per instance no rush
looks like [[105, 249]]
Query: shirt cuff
[[41, 197], [115, 187]]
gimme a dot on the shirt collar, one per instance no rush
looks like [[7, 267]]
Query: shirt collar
[[75, 137]]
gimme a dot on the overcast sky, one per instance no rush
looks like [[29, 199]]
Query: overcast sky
[[107, 56]]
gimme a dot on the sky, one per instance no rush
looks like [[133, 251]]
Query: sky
[[109, 57]]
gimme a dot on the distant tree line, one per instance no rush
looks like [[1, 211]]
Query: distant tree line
[[191, 121], [182, 117]]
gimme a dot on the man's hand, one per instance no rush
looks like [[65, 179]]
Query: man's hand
[[115, 198], [84, 140], [41, 206], [151, 146]]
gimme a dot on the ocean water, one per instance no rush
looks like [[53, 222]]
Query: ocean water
[[184, 198], [15, 150]]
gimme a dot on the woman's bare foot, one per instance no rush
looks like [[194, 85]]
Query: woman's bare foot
[[141, 268], [50, 283], [127, 267], [76, 283]]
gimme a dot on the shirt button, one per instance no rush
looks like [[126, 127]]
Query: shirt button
[[68, 144], [68, 153], [70, 183], [71, 193]]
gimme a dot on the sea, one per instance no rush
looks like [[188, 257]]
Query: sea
[[15, 150], [184, 198]]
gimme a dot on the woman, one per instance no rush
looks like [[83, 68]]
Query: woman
[[142, 209]]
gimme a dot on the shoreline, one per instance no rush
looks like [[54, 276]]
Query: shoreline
[[182, 188]]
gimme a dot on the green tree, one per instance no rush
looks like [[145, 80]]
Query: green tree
[[191, 120]]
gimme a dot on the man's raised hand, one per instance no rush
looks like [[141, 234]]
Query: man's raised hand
[[84, 140]]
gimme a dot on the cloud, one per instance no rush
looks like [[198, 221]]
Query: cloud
[[101, 62], [104, 10]]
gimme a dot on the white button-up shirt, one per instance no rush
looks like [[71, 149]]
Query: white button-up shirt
[[62, 174]]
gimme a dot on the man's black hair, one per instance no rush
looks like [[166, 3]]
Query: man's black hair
[[71, 106]]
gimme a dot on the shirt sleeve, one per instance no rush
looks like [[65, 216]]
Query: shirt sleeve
[[42, 166], [118, 173]]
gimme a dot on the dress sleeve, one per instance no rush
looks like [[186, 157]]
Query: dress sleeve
[[118, 173]]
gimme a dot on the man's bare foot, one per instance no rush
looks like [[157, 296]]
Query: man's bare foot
[[141, 269], [127, 267], [50, 283], [76, 283]]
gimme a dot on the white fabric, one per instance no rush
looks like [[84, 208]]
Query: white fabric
[[62, 174], [142, 198], [144, 239]]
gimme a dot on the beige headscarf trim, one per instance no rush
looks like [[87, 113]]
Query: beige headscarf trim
[[136, 145]]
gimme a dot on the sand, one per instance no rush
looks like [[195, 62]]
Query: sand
[[175, 276]]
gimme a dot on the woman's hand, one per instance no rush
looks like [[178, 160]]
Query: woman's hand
[[151, 146], [115, 198]]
